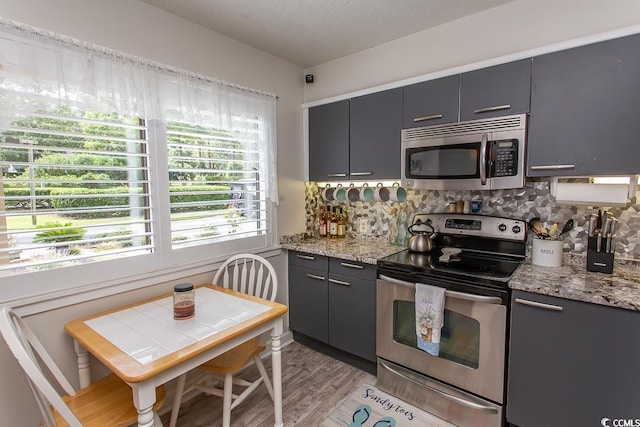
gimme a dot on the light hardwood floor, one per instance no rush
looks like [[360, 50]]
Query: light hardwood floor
[[313, 386]]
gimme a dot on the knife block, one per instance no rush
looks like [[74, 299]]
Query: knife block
[[601, 262]]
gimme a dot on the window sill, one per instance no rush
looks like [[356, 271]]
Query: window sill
[[42, 302]]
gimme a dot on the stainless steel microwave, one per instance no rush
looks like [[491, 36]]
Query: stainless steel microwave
[[485, 154]]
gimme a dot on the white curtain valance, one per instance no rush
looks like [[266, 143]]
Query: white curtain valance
[[41, 71]]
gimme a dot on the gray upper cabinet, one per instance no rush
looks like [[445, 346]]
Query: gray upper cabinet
[[375, 132], [500, 90], [430, 103], [571, 363], [356, 139], [584, 110], [329, 141]]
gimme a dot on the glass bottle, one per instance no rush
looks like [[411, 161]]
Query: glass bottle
[[333, 224], [342, 225], [322, 226]]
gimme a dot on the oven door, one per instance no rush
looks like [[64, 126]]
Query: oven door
[[472, 342]]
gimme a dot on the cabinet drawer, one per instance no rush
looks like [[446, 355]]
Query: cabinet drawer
[[355, 269], [307, 260]]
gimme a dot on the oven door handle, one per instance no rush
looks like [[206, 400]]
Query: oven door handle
[[440, 392], [448, 293]]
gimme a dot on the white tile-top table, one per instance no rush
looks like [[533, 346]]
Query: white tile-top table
[[146, 347]]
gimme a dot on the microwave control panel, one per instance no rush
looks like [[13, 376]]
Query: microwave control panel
[[505, 158]]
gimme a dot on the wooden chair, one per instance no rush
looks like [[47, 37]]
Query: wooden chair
[[108, 401], [249, 274]]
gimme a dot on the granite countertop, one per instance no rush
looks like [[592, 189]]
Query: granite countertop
[[353, 249], [572, 281]]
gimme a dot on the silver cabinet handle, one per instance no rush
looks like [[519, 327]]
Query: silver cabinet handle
[[337, 175], [440, 392], [431, 117], [310, 258], [339, 282], [313, 276], [539, 304], [552, 167], [447, 293], [483, 159], [346, 264], [489, 109], [360, 173]]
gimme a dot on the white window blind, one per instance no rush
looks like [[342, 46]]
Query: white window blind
[[216, 191], [114, 166], [76, 190]]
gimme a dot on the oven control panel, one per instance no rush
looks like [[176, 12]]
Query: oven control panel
[[473, 225]]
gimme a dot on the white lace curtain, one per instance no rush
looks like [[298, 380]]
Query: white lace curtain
[[40, 70]]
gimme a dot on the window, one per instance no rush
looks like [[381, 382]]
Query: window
[[113, 166]]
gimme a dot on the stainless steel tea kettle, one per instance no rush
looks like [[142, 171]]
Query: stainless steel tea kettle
[[421, 241]]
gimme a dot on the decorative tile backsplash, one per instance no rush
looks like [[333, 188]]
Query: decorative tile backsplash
[[534, 200]]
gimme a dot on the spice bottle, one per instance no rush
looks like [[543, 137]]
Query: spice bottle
[[184, 302]]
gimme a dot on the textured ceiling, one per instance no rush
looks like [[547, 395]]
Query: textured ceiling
[[311, 32]]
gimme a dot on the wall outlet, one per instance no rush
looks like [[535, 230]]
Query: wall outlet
[[363, 225]]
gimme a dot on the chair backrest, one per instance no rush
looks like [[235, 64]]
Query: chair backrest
[[25, 346], [249, 274]]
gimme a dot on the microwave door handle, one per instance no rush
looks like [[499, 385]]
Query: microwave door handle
[[483, 159]]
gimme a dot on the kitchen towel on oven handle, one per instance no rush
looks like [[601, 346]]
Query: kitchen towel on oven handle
[[429, 317]]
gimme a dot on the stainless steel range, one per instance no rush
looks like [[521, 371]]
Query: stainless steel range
[[474, 258]]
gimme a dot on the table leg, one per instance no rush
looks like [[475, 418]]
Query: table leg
[[276, 367], [144, 396], [84, 364]]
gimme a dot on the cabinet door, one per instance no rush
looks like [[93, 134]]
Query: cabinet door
[[375, 133], [571, 363], [352, 315], [430, 103], [501, 90], [308, 302], [329, 141], [584, 110]]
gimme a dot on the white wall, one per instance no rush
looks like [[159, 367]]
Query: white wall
[[138, 29], [514, 27]]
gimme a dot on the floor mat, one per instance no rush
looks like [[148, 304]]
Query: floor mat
[[370, 407]]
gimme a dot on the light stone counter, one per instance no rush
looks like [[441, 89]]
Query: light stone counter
[[572, 281], [349, 248]]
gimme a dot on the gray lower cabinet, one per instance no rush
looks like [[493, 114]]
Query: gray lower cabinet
[[571, 363], [500, 90], [584, 110], [333, 301], [308, 295]]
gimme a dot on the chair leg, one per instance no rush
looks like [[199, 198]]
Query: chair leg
[[264, 373], [226, 400], [177, 399]]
